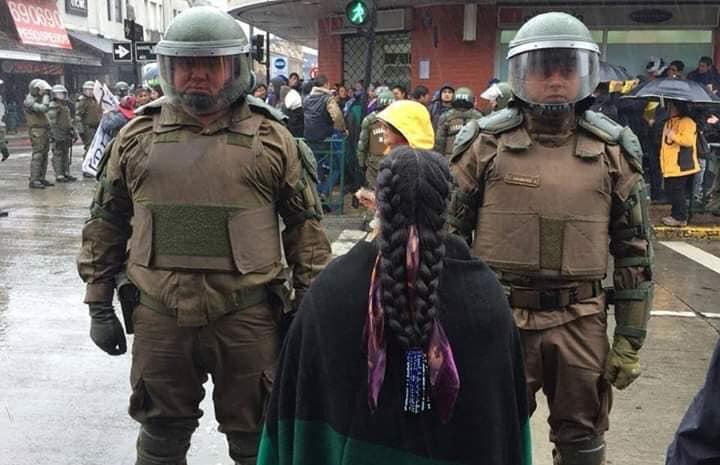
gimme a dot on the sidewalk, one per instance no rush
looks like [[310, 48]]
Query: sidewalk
[[19, 139]]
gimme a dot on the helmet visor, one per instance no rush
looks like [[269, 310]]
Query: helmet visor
[[205, 84], [554, 76]]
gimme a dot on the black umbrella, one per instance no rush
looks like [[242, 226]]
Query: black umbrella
[[610, 72], [682, 90]]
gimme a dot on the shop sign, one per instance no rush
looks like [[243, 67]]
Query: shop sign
[[651, 16], [76, 7], [38, 22], [29, 67]]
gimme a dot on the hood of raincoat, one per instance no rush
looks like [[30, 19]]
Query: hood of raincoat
[[412, 120]]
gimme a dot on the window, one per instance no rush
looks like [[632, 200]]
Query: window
[[118, 11]]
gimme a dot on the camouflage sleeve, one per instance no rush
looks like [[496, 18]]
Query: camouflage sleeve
[[363, 142], [441, 136], [336, 114], [631, 248], [469, 171], [52, 115], [105, 234], [32, 105], [307, 249]]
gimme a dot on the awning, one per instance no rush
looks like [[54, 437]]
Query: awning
[[91, 40], [11, 49]]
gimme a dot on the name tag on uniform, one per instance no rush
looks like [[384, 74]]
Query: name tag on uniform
[[522, 180], [377, 132]]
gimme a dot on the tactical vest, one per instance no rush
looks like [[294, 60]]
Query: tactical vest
[[376, 144], [63, 120], [546, 210], [197, 206], [92, 111], [454, 123], [36, 119], [318, 123]]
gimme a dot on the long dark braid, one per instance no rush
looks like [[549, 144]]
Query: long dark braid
[[413, 189]]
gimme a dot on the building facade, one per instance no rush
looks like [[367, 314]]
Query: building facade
[[465, 43]]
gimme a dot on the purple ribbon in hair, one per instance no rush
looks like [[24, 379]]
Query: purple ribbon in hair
[[442, 371]]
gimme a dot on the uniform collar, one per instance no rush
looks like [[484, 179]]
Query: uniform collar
[[174, 115]]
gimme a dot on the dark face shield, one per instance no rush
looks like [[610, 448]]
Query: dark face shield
[[554, 76]]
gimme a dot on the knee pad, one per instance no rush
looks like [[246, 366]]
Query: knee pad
[[589, 451], [243, 447], [164, 443]]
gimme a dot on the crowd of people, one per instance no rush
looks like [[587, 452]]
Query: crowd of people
[[479, 284]]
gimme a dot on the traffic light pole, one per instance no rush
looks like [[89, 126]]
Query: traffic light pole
[[370, 37]]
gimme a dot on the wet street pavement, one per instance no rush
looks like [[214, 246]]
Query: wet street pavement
[[64, 402]]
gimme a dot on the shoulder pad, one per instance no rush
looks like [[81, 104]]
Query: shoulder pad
[[465, 137], [53, 104], [152, 107], [500, 121], [611, 132], [258, 106]]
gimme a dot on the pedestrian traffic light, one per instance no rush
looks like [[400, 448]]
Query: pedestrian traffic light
[[357, 12], [257, 43]]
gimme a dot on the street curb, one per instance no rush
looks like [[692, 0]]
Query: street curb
[[710, 233]]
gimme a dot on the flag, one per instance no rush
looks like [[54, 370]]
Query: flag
[[95, 153]]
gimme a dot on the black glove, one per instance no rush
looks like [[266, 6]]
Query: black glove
[[106, 330], [5, 153]]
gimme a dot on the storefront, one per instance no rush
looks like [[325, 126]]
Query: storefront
[[431, 43]]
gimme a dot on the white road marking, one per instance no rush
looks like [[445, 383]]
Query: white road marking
[[349, 237], [695, 254], [346, 241]]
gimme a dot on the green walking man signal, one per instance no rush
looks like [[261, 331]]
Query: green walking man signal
[[357, 12]]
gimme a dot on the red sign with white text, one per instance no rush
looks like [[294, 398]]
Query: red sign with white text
[[38, 22]]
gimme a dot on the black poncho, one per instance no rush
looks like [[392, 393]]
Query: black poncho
[[319, 414]]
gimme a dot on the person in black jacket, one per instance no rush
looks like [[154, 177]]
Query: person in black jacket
[[404, 350]]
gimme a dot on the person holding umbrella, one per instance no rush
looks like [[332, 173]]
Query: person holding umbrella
[[678, 161]]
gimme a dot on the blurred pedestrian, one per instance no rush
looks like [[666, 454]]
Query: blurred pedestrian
[[292, 107], [114, 120], [142, 96], [62, 134], [422, 95], [706, 74], [679, 161], [294, 81], [403, 350], [36, 105], [441, 103], [399, 91], [676, 69], [260, 91], [323, 119]]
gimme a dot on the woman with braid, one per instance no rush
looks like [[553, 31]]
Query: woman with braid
[[404, 350]]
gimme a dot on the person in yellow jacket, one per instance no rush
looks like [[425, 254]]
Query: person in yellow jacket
[[405, 122], [679, 161]]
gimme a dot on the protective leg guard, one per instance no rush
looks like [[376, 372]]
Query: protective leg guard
[[590, 451], [164, 443], [243, 447]]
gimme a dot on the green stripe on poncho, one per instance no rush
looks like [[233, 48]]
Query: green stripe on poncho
[[319, 413]]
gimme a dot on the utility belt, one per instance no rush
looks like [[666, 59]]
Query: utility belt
[[239, 300], [552, 299]]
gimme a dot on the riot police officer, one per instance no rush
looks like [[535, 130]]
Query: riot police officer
[[121, 89], [450, 122], [548, 189], [189, 197], [36, 106], [62, 133], [88, 113], [371, 147]]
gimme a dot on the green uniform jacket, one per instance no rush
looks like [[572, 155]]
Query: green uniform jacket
[[87, 113], [35, 111], [449, 126], [364, 139], [271, 178], [61, 128]]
